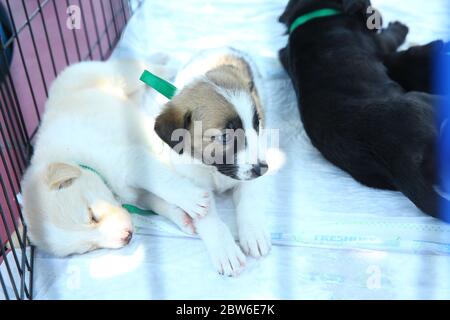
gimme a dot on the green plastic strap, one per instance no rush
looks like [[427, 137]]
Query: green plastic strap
[[162, 86], [311, 16], [135, 210], [129, 207]]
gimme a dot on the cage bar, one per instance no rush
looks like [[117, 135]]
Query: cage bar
[[35, 45]]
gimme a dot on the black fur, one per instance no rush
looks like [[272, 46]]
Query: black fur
[[255, 121], [354, 96]]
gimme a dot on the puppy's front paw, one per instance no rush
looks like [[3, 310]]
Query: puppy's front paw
[[228, 258], [181, 219], [400, 29], [195, 203], [225, 254], [254, 239]]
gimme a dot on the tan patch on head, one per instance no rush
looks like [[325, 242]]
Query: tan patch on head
[[210, 109], [233, 72], [239, 65], [228, 77]]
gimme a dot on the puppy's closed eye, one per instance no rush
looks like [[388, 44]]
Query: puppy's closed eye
[[92, 218]]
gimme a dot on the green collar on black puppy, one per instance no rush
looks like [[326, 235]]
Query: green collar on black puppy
[[327, 12]]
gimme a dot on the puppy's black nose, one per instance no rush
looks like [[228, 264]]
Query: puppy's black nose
[[260, 169], [127, 239]]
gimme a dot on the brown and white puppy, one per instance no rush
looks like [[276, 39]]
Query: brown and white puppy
[[223, 101], [215, 123]]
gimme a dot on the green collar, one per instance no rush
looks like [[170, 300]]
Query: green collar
[[327, 12], [162, 86], [129, 207]]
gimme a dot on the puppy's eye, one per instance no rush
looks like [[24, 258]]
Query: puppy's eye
[[92, 216], [225, 138]]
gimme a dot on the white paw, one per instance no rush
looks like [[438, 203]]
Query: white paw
[[228, 258], [195, 203], [254, 239], [182, 220], [225, 254]]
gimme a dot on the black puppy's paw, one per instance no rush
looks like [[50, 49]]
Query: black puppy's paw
[[356, 6], [400, 29]]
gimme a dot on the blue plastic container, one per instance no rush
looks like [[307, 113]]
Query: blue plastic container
[[443, 81]]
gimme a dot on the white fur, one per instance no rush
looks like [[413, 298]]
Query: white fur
[[244, 107]]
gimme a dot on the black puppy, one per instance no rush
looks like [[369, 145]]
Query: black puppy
[[359, 99]]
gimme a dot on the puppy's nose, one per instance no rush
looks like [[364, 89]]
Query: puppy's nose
[[260, 169], [127, 239]]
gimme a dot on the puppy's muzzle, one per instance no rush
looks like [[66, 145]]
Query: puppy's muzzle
[[127, 239]]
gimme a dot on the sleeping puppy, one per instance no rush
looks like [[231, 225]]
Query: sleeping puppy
[[219, 117], [93, 153], [357, 97]]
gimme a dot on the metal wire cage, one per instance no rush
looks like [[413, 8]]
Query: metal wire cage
[[39, 38]]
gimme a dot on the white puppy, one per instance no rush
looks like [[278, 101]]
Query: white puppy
[[93, 152]]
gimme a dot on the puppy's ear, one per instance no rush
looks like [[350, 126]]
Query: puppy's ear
[[61, 175], [230, 77], [222, 76], [227, 77], [172, 118], [289, 12]]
